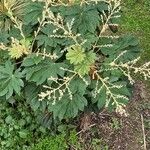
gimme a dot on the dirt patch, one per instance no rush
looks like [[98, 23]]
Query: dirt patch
[[116, 132]]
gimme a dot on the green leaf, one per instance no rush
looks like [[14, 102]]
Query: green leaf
[[86, 19], [124, 90], [10, 80], [102, 6], [41, 70], [85, 66], [66, 108], [125, 43], [31, 94], [91, 39], [33, 12], [101, 98], [75, 54], [91, 57], [44, 37], [23, 134], [33, 59], [4, 37], [77, 85], [9, 119]]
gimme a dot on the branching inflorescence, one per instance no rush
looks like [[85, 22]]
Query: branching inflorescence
[[130, 67]]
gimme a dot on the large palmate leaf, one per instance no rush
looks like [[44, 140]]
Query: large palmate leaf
[[10, 80], [66, 108], [82, 60], [31, 95], [39, 70], [44, 37], [19, 48], [86, 19], [101, 98], [83, 68], [77, 85], [75, 54], [128, 43], [33, 13]]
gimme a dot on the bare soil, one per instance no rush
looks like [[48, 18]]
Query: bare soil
[[119, 132]]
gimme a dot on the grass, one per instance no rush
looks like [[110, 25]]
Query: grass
[[136, 20]]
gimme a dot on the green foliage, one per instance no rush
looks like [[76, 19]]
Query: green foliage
[[97, 144], [82, 60], [76, 54], [62, 56], [31, 94], [10, 80], [39, 70], [19, 129], [62, 141], [55, 143], [67, 108], [19, 48], [83, 68]]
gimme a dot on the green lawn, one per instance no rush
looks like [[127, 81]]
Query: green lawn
[[136, 20]]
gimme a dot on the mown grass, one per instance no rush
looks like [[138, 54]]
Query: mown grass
[[136, 21]]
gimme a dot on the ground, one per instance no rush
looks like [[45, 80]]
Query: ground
[[119, 132], [131, 132]]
